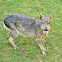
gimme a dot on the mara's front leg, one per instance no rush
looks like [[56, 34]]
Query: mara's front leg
[[40, 43]]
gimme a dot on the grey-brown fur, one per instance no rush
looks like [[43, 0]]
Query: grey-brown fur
[[27, 26]]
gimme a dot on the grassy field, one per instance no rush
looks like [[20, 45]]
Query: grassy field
[[29, 48]]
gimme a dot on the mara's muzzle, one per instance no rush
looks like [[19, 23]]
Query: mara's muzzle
[[45, 31]]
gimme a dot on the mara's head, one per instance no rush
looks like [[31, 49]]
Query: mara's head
[[45, 23]]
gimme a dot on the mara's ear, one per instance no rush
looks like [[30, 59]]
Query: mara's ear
[[50, 15], [40, 16]]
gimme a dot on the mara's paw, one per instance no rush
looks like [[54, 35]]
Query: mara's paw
[[17, 48], [44, 54]]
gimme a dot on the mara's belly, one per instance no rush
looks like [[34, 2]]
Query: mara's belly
[[31, 34]]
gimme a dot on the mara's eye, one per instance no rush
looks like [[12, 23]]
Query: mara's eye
[[42, 22]]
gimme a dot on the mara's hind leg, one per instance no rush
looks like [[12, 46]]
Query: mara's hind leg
[[8, 35], [40, 42], [12, 37]]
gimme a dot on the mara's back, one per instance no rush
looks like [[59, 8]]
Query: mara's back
[[26, 26]]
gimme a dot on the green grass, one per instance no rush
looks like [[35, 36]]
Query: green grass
[[29, 47]]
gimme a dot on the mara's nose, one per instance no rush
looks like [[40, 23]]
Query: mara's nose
[[45, 29]]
